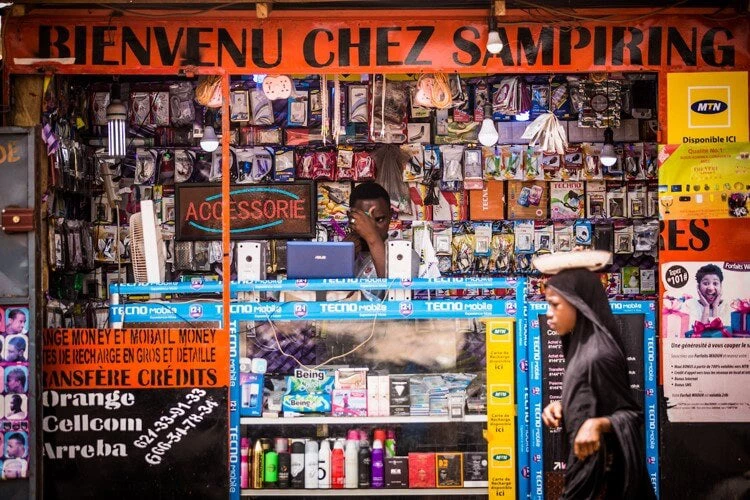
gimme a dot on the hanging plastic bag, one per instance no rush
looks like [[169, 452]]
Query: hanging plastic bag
[[208, 91], [428, 261], [547, 133], [389, 161]]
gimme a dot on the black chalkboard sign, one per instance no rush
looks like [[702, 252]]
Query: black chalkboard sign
[[166, 443], [135, 413]]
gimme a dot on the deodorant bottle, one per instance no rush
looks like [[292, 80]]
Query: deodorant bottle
[[257, 466], [281, 446], [337, 465], [378, 465], [324, 465], [365, 463], [311, 464], [390, 444], [244, 463], [271, 469], [351, 461], [298, 465]]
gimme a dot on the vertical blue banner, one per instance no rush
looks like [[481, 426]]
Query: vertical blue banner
[[522, 392], [534, 309], [651, 405], [651, 428], [234, 411]]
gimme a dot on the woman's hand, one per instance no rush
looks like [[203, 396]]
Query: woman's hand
[[717, 303], [552, 415], [701, 298], [705, 307], [589, 437]]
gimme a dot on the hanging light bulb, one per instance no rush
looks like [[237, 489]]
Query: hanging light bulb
[[494, 44], [117, 113], [209, 141], [607, 156], [488, 135]]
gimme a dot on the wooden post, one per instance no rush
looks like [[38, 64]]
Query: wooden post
[[263, 9], [28, 94]]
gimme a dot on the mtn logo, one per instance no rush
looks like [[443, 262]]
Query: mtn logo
[[709, 106]]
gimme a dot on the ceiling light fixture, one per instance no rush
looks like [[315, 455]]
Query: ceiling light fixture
[[209, 141], [494, 44], [488, 135], [117, 115], [608, 157]]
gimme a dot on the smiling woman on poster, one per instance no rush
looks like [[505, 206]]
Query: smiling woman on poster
[[710, 306]]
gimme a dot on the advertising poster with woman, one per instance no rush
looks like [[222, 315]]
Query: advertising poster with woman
[[706, 375], [705, 300], [705, 320]]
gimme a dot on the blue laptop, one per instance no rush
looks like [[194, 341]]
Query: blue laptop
[[315, 259]]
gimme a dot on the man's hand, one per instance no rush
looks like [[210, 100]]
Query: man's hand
[[589, 437], [552, 415], [357, 240], [364, 225]]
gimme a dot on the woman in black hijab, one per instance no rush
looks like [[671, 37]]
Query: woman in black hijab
[[600, 417]]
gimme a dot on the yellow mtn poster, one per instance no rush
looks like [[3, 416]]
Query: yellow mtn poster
[[707, 108]]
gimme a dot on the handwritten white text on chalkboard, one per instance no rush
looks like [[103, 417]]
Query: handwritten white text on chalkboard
[[170, 428]]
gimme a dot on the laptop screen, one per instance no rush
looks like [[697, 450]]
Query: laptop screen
[[315, 259]]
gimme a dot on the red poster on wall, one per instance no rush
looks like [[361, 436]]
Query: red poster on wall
[[705, 319]]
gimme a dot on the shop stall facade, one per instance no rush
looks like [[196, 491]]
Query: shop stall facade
[[614, 73]]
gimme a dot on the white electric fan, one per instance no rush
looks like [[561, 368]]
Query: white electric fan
[[146, 246]]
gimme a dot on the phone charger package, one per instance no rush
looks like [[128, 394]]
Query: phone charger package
[[251, 391]]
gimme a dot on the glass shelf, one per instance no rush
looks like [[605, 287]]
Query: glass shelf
[[369, 492], [392, 419]]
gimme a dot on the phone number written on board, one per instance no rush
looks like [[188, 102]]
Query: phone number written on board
[[177, 423]]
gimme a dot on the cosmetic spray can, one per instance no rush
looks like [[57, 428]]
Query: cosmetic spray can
[[281, 445], [351, 461], [390, 444], [324, 465], [337, 465], [379, 434], [298, 464], [377, 477], [311, 464], [285, 466], [257, 468], [270, 469], [244, 472], [365, 462]]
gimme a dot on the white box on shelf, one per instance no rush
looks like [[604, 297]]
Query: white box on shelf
[[384, 391], [373, 396]]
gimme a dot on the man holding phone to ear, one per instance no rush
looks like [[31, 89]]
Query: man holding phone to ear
[[369, 218]]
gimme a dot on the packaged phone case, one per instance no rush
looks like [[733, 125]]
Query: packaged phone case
[[181, 107], [345, 164], [166, 167], [262, 109], [160, 108], [283, 165], [145, 169], [183, 166], [535, 195], [364, 166], [523, 197]]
